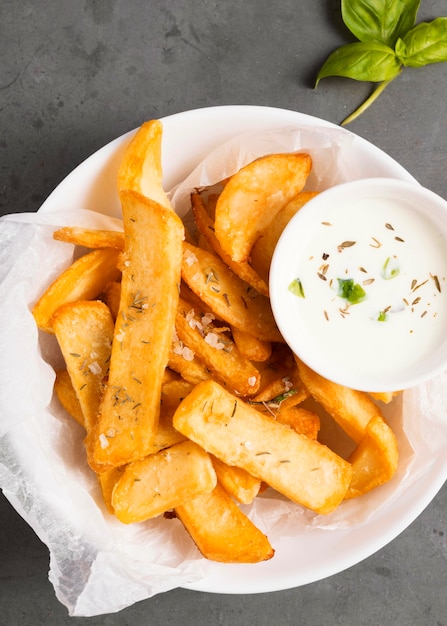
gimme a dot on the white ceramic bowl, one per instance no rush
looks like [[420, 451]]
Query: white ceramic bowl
[[370, 257]]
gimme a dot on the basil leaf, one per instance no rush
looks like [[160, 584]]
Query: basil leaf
[[379, 20], [425, 43], [370, 61]]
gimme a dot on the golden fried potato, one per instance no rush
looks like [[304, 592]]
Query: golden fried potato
[[252, 198], [216, 350], [183, 361], [129, 410], [351, 409], [264, 246], [221, 531], [206, 228], [251, 347], [298, 467], [107, 481], [90, 238], [85, 279], [230, 298], [84, 331], [236, 481], [67, 396], [112, 296], [375, 459], [162, 481], [301, 420], [141, 166]]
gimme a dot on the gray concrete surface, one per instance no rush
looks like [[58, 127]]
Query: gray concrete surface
[[75, 75]]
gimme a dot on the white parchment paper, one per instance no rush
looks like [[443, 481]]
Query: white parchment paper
[[98, 565]]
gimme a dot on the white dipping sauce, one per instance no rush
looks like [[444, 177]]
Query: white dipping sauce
[[364, 288]]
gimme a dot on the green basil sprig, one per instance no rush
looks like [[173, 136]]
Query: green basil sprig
[[388, 41]]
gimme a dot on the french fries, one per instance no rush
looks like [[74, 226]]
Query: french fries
[[85, 279], [243, 269], [302, 469], [221, 531], [84, 331], [90, 238], [227, 295], [162, 481], [128, 418], [264, 246], [252, 198], [191, 401]]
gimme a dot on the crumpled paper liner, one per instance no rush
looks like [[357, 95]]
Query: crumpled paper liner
[[97, 564]]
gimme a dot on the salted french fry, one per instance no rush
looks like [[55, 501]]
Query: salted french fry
[[90, 238], [67, 396], [230, 298], [252, 198], [183, 361], [107, 481], [129, 412], [216, 350], [111, 296], [236, 481], [221, 531], [264, 246], [300, 468], [162, 481], [141, 166], [351, 409], [85, 279], [374, 461], [206, 227], [84, 331], [251, 347], [301, 420]]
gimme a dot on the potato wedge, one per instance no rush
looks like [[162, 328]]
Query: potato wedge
[[374, 461], [252, 198], [351, 409], [301, 420], [183, 361], [141, 167], [251, 347], [84, 331], [298, 467], [129, 410], [230, 298], [67, 396], [216, 350], [90, 238], [107, 481], [221, 531], [236, 481], [112, 296], [264, 246], [85, 279], [206, 227], [162, 481]]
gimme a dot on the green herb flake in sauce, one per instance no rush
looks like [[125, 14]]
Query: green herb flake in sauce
[[382, 317], [296, 287], [350, 291], [390, 268]]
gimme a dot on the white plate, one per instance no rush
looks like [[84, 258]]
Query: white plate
[[188, 137]]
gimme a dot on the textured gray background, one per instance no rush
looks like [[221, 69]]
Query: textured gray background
[[76, 74]]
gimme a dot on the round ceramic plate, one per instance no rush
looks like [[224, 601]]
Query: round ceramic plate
[[307, 555]]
